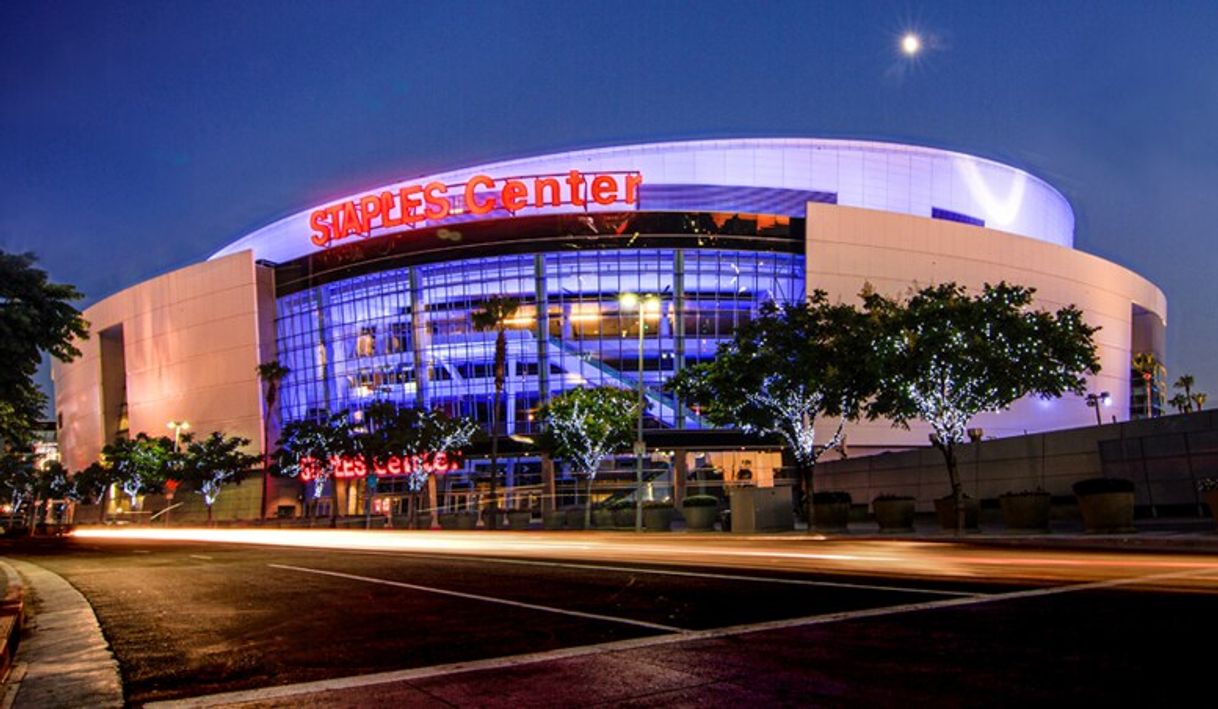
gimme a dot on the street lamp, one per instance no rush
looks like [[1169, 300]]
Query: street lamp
[[1095, 401], [178, 427], [628, 301]]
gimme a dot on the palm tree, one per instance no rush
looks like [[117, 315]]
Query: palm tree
[[1199, 399], [271, 373], [1146, 364], [494, 315], [1181, 403], [1185, 381]]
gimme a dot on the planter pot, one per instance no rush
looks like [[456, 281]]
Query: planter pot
[[448, 520], [467, 520], [519, 519], [553, 519], [1028, 513], [894, 515], [575, 518], [1211, 499], [946, 511], [602, 519], [623, 517], [657, 519], [831, 516], [700, 519], [1107, 512]]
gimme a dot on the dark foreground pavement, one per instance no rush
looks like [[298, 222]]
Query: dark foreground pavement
[[189, 620]]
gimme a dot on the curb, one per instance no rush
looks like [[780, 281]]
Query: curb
[[12, 618]]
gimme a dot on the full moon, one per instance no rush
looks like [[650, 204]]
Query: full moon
[[911, 44]]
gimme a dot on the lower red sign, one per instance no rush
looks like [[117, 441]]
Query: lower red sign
[[355, 467]]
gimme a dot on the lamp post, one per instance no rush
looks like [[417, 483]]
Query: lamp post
[[178, 427], [628, 301], [1095, 401]]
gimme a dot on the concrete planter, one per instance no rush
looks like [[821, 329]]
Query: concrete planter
[[467, 520], [657, 519], [448, 520], [700, 519], [894, 515], [623, 517], [1107, 512], [553, 519], [1211, 499], [831, 516], [602, 519], [574, 518], [519, 519], [1026, 513], [945, 511]]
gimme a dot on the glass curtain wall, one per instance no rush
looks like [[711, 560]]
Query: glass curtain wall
[[406, 335]]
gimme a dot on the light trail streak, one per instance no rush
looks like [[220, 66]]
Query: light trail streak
[[801, 554]]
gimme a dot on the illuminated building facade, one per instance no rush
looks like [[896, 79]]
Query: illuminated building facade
[[369, 297]]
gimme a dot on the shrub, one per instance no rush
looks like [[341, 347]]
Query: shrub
[[701, 501], [831, 498], [1207, 484], [1096, 486], [657, 504], [888, 496]]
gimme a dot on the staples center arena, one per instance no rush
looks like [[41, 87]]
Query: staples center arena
[[369, 297]]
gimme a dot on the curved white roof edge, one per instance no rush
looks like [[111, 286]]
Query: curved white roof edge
[[894, 177]]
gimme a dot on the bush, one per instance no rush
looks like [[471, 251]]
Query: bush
[[831, 498], [1096, 486], [1207, 484], [657, 505], [701, 501]]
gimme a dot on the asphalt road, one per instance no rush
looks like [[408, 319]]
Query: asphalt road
[[189, 619]]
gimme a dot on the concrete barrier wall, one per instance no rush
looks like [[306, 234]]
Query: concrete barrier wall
[[1164, 457]]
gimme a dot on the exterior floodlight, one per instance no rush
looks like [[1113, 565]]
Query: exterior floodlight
[[628, 300], [911, 44]]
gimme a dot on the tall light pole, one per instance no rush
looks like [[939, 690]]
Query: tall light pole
[[1095, 401], [170, 486], [628, 301]]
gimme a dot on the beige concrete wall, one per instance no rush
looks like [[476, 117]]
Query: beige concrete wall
[[191, 342], [848, 247]]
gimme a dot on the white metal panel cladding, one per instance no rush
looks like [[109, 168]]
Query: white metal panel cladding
[[881, 176]]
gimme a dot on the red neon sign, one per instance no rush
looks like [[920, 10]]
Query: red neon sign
[[355, 467], [480, 195]]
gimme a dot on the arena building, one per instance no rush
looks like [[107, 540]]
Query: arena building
[[369, 297]]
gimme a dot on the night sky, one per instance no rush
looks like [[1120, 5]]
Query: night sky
[[136, 138]]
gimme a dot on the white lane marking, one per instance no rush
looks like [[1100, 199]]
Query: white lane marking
[[341, 683], [671, 572], [200, 556], [488, 599]]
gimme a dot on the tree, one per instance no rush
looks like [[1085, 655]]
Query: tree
[[308, 449], [1146, 364], [93, 485], [945, 356], [17, 479], [36, 317], [1185, 402], [140, 464], [784, 369], [495, 313], [210, 464], [271, 374], [585, 426], [422, 441]]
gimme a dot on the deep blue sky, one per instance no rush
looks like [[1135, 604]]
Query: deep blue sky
[[139, 137]]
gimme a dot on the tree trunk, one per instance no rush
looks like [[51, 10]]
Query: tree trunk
[[492, 521], [805, 475], [209, 515], [104, 500], [948, 450], [588, 504]]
